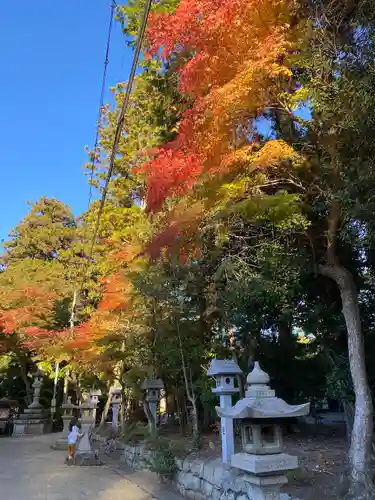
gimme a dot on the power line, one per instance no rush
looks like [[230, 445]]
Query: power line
[[101, 101], [120, 121], [119, 127], [96, 143]]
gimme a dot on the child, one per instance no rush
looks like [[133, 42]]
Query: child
[[73, 437]]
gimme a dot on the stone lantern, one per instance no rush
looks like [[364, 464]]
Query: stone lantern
[[262, 458], [115, 403], [225, 373], [34, 419], [37, 386], [153, 388], [94, 396], [88, 409], [67, 408]]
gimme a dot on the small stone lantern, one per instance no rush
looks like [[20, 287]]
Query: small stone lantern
[[115, 402], [153, 388], [67, 408], [94, 396], [225, 373], [262, 459]]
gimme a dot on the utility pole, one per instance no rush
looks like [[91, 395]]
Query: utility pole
[[57, 364]]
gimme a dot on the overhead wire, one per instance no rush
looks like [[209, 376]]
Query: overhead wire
[[118, 132], [101, 102], [120, 121], [94, 155]]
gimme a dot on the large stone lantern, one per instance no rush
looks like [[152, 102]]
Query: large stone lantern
[[153, 388], [34, 419], [225, 373], [262, 458]]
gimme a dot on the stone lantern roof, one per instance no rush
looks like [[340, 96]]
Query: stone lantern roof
[[150, 384], [260, 401], [223, 367], [96, 393], [8, 403]]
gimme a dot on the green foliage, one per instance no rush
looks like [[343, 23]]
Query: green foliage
[[162, 460], [339, 382], [134, 432], [130, 15], [44, 233]]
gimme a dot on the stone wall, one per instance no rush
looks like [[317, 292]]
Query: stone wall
[[198, 479]]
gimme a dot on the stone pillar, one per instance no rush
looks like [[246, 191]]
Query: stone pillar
[[53, 400], [225, 373], [66, 388], [153, 388], [262, 459], [115, 403]]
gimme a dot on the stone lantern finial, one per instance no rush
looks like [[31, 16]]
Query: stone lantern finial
[[257, 376]]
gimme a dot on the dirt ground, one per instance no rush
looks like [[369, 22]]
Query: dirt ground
[[321, 451]]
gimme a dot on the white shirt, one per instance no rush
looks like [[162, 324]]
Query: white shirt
[[73, 435]]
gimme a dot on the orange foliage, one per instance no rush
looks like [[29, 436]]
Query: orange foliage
[[24, 308], [235, 72], [116, 290]]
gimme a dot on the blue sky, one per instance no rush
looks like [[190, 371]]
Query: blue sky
[[51, 57]]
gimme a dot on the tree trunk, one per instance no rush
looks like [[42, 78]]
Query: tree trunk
[[149, 415], [66, 388], [360, 475], [26, 381], [349, 418], [106, 408], [190, 393], [24, 371]]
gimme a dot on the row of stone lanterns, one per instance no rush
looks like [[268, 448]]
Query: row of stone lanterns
[[260, 412]]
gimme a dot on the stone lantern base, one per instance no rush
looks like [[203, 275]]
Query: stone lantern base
[[265, 474], [85, 459], [264, 488], [32, 422]]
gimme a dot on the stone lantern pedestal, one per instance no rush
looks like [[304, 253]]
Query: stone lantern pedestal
[[62, 441], [115, 403], [153, 388], [225, 373], [34, 420], [85, 455], [262, 459]]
